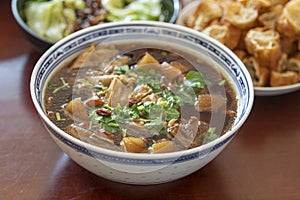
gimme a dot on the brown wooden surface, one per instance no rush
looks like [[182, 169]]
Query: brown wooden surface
[[262, 161]]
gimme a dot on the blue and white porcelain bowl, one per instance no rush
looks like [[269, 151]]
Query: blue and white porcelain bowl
[[142, 168]]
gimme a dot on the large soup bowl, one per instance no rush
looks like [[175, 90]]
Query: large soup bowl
[[142, 168]]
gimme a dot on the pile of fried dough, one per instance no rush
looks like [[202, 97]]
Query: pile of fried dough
[[264, 34]]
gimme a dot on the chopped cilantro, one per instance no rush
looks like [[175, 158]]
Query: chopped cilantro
[[149, 77], [154, 115], [121, 114], [63, 86], [210, 135], [155, 125], [155, 85], [222, 82], [122, 69], [172, 113], [108, 124], [186, 94], [99, 86], [172, 99], [195, 80]]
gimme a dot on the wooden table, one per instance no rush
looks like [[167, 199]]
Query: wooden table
[[262, 161]]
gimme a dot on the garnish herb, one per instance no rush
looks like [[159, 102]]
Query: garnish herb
[[211, 135], [64, 85], [122, 69], [195, 80]]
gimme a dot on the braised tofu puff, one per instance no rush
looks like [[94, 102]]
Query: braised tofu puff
[[283, 78], [294, 63], [276, 2], [259, 74], [270, 18], [225, 33], [260, 5], [288, 46], [207, 11], [239, 15], [288, 73], [289, 22], [264, 45]]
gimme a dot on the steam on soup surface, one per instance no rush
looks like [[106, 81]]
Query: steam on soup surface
[[140, 99]]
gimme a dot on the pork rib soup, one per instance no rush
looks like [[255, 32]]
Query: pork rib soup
[[140, 99]]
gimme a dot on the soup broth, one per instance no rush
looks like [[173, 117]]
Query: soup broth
[[140, 99]]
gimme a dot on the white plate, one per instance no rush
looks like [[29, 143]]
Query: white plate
[[272, 91], [258, 91]]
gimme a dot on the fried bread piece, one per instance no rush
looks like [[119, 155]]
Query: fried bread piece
[[284, 78], [270, 18], [294, 63], [225, 33], [259, 74], [207, 11], [239, 15], [289, 22], [264, 44]]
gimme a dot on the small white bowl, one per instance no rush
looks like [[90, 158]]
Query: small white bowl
[[170, 11], [142, 168]]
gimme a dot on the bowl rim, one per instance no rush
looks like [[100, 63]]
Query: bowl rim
[[143, 156]]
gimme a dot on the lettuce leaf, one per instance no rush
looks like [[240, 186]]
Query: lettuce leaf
[[122, 10], [49, 19]]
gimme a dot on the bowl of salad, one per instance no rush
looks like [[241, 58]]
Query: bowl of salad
[[44, 22], [141, 102]]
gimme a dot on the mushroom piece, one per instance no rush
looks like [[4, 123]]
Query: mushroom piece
[[91, 137], [202, 129], [104, 79], [187, 131], [77, 110], [140, 92], [169, 71], [134, 145], [136, 130], [210, 103], [119, 61], [118, 93], [165, 69], [95, 55], [147, 59], [164, 147]]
